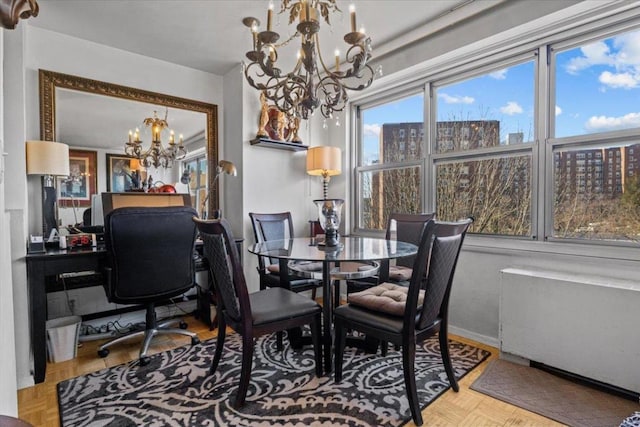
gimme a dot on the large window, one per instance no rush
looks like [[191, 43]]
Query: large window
[[596, 159], [196, 169], [541, 143], [484, 133], [391, 160]]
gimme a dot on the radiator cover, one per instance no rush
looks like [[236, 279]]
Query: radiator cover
[[586, 325]]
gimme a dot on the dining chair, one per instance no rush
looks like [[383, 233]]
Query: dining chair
[[406, 316], [401, 227], [267, 311], [278, 226]]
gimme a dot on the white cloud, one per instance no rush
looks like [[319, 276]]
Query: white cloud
[[623, 57], [593, 54], [511, 108], [602, 123], [456, 99], [558, 110], [371, 130], [620, 80], [499, 75]]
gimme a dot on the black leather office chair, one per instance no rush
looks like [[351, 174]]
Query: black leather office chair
[[149, 259], [407, 316], [251, 315]]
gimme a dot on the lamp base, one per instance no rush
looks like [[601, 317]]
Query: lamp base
[[336, 248]]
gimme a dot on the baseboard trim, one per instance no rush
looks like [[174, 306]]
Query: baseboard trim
[[484, 339]]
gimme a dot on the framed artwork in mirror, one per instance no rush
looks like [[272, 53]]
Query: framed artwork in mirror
[[123, 173], [76, 189]]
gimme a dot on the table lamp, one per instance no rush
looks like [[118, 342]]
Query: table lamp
[[325, 162], [49, 159], [226, 167]]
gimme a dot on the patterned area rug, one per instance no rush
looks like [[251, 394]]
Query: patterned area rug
[[175, 389], [553, 397]]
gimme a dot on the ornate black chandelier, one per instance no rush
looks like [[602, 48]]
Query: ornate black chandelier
[[156, 155], [311, 83]]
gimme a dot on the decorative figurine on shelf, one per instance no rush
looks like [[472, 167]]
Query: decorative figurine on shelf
[[277, 127], [264, 117], [294, 127]]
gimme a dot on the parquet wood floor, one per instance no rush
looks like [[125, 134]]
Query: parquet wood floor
[[39, 404]]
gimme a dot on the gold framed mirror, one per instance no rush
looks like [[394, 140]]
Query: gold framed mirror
[[51, 82]]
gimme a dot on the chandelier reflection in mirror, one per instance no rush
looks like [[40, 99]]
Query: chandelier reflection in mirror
[[156, 155], [312, 83]]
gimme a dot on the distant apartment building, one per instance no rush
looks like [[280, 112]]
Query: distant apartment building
[[597, 171]]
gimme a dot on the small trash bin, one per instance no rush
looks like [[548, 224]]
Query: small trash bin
[[62, 338]]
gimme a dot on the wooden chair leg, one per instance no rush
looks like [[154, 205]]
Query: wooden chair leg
[[339, 345], [446, 359], [222, 329], [408, 365], [316, 332], [245, 373], [279, 340], [384, 348]]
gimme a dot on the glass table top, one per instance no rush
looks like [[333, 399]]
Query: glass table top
[[350, 249]]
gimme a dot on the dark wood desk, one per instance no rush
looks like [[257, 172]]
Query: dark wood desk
[[59, 261], [51, 263]]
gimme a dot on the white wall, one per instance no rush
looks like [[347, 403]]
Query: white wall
[[8, 397], [44, 49]]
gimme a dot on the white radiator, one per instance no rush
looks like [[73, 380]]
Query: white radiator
[[586, 325]]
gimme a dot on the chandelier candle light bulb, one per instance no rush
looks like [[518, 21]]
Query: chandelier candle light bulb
[[352, 12], [269, 16]]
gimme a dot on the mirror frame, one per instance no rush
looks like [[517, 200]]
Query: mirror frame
[[51, 80]]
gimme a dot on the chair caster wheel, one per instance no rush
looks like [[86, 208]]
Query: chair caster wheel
[[183, 325], [144, 361], [195, 340], [104, 352]]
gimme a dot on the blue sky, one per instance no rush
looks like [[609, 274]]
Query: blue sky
[[598, 90]]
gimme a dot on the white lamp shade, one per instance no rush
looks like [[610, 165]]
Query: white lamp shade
[[47, 158], [324, 161]]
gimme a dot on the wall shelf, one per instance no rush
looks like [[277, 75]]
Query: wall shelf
[[282, 145]]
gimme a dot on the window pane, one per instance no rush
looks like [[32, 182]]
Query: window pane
[[202, 168], [597, 193], [393, 132], [495, 192], [598, 86], [387, 191], [486, 111]]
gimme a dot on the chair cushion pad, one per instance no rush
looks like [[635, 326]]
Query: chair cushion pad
[[274, 304], [385, 297], [399, 273], [274, 268], [308, 266]]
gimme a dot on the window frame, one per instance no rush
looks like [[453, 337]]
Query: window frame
[[538, 43], [196, 156], [359, 169]]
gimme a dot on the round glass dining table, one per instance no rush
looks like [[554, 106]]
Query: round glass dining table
[[351, 249]]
